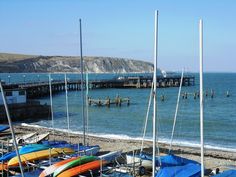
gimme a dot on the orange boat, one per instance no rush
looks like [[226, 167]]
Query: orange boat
[[82, 168], [49, 170], [3, 166]]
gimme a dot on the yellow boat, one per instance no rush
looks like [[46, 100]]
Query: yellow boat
[[44, 154]]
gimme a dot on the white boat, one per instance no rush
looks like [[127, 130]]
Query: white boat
[[36, 138], [139, 160], [21, 139]]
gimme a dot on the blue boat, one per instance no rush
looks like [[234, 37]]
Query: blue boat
[[171, 165], [3, 127], [88, 150], [166, 161], [34, 173], [175, 166], [173, 160], [188, 170], [24, 150], [228, 173], [83, 150]]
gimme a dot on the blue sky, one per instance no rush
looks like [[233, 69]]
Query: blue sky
[[123, 28]]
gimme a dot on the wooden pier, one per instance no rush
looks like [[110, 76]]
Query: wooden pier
[[40, 89]]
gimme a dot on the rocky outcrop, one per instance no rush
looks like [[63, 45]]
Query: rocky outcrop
[[30, 63]]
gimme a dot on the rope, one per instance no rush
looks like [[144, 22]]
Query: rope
[[146, 119], [87, 110], [176, 111], [67, 109], [50, 90]]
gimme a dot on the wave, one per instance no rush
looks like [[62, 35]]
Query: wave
[[182, 143]]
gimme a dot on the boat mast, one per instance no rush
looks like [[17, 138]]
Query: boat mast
[[12, 129], [87, 111], [50, 92], [154, 96], [176, 111], [67, 108], [201, 94], [82, 80]]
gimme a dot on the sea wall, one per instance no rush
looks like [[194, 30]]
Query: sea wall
[[30, 111]]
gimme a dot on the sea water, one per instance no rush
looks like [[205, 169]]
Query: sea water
[[127, 122]]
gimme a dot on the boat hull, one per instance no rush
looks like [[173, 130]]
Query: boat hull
[[3, 166], [44, 154], [3, 128], [23, 138], [82, 168], [83, 150], [50, 170], [138, 160], [24, 150], [76, 162], [91, 166], [90, 151], [36, 138]]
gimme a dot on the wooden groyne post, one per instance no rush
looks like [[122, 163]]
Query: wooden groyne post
[[108, 102]]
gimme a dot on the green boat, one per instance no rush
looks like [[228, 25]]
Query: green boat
[[77, 162]]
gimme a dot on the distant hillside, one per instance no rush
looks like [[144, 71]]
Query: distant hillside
[[33, 63]]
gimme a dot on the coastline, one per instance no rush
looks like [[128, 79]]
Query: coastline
[[213, 158]]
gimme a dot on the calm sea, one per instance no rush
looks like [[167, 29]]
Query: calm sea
[[128, 121]]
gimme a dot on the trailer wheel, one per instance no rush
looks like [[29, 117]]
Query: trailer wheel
[[142, 171]]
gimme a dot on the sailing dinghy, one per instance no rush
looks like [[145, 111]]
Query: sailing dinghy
[[39, 155], [24, 150], [36, 138], [227, 173], [23, 138], [90, 166], [3, 128], [77, 162], [80, 149], [3, 166], [94, 165], [50, 170]]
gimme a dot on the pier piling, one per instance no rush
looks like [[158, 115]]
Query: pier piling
[[212, 93], [227, 94], [162, 98]]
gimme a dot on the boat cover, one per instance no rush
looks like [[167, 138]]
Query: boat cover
[[3, 127], [188, 170], [34, 173], [228, 173], [168, 160], [175, 166], [173, 160]]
